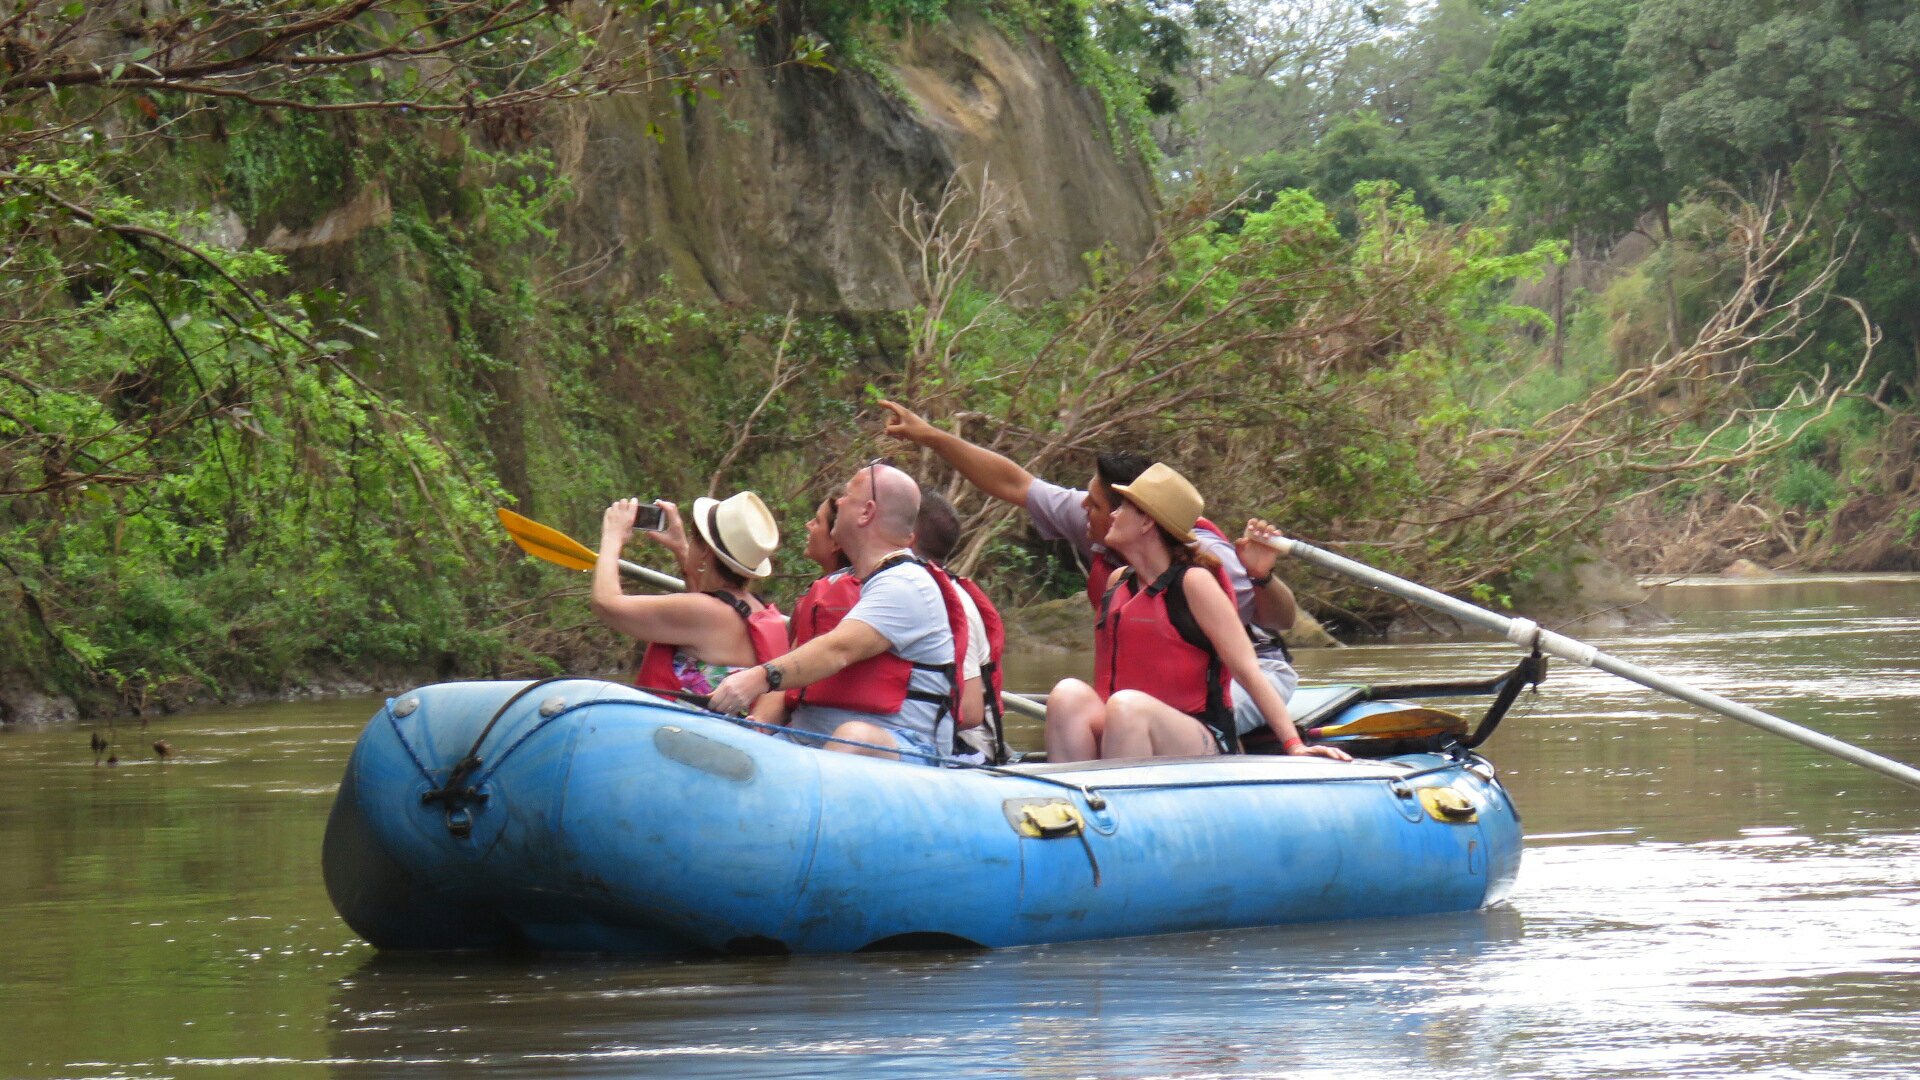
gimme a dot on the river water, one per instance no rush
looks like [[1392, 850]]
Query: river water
[[1696, 899]]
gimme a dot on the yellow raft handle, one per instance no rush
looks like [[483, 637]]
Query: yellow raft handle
[[1447, 804], [1050, 821]]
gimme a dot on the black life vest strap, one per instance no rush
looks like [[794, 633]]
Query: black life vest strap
[[1218, 716], [947, 671], [1114, 581], [994, 713], [1264, 638], [740, 607]]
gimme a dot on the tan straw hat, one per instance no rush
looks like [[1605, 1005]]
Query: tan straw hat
[[740, 530], [1167, 498]]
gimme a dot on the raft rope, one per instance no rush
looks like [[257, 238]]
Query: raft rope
[[1094, 801], [1090, 792], [1282, 781], [455, 793]]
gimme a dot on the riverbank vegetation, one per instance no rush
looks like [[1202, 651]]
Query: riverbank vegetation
[[1457, 289]]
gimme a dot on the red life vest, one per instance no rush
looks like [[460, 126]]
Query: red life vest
[[1100, 571], [819, 610], [1149, 641], [996, 628], [766, 630], [878, 684], [1104, 564]]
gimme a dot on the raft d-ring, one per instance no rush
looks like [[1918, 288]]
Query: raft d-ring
[[405, 706], [459, 822], [1403, 801], [553, 705]]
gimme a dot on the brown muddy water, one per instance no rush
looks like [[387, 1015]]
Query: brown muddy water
[[1697, 899]]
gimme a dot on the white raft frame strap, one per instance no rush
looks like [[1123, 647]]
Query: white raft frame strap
[[1529, 634]]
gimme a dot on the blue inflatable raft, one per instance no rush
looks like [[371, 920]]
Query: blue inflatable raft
[[584, 815]]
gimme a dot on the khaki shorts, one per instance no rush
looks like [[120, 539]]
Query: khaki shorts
[[1246, 715]]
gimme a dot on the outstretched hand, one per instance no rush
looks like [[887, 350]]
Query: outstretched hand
[[904, 423], [1333, 752]]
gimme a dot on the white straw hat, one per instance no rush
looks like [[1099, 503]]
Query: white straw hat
[[739, 529]]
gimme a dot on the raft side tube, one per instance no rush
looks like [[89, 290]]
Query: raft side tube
[[613, 820]]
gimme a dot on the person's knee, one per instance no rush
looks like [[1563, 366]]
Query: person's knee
[[1071, 693], [876, 738], [1127, 707], [1071, 701]]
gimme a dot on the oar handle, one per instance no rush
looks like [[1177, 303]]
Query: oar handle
[[1527, 634]]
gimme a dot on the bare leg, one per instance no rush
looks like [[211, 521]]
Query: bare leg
[[861, 731], [1141, 726], [1075, 721]]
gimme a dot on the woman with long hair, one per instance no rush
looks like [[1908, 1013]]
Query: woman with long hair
[[1167, 644]]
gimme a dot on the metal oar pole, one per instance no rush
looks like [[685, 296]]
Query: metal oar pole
[[652, 577], [1527, 633], [1035, 708]]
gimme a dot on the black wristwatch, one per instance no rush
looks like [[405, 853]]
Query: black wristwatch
[[1261, 582], [773, 676]]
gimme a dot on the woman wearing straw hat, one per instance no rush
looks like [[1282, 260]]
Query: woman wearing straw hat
[[1168, 639], [716, 627]]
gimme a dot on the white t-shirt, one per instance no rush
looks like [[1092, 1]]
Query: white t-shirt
[[978, 651], [904, 605]]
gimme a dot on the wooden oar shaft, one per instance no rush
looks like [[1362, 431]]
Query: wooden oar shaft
[[1526, 633]]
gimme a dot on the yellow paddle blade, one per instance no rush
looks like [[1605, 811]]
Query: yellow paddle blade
[[1410, 722], [543, 542]]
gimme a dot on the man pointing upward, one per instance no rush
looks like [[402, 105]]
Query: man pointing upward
[[1081, 517]]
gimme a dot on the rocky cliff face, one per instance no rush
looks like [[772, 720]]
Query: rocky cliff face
[[783, 192]]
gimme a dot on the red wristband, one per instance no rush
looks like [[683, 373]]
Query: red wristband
[[1288, 745]]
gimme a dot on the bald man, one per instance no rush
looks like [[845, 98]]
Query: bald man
[[883, 673]]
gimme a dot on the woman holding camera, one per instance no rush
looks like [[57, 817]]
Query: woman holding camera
[[717, 626]]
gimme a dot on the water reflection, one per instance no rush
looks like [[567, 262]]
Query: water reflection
[[1227, 1003]]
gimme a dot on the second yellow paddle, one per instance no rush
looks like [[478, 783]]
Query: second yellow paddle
[[546, 542]]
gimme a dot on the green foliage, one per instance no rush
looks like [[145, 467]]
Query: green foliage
[[844, 22], [275, 161], [1806, 486], [1825, 94], [218, 478]]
